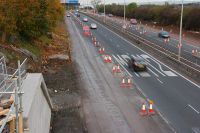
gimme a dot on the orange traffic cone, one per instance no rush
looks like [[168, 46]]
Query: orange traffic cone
[[193, 52], [114, 69], [95, 43], [109, 59], [151, 110], [143, 110], [123, 84], [105, 58], [129, 83], [118, 69], [102, 50]]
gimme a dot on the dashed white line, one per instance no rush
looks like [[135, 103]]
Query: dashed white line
[[193, 109], [148, 54]]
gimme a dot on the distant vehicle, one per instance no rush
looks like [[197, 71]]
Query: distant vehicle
[[68, 15], [93, 26], [85, 19], [110, 15], [163, 34], [78, 15], [101, 14], [133, 21], [138, 64], [86, 30]]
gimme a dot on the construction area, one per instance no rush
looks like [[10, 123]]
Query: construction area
[[25, 104]]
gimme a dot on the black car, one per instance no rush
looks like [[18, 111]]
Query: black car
[[163, 34], [78, 15], [138, 64]]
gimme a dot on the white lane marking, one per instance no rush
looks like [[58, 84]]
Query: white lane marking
[[119, 59], [148, 54], [144, 74], [170, 73], [159, 80], [125, 57], [156, 69], [196, 129], [187, 51], [133, 56], [122, 66], [193, 109], [145, 57], [136, 74], [153, 72]]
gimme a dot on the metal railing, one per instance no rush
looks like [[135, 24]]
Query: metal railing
[[148, 43], [11, 85]]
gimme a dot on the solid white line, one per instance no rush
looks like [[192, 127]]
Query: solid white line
[[136, 74], [159, 80], [153, 72], [122, 66], [156, 69], [188, 52], [148, 54], [193, 109]]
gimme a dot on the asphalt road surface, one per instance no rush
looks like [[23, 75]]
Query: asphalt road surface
[[186, 50], [107, 107], [177, 98]]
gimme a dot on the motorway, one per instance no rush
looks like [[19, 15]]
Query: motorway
[[186, 50], [107, 107], [177, 98]]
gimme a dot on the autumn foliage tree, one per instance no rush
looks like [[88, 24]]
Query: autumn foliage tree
[[29, 19]]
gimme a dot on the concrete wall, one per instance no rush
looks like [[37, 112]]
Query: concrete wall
[[36, 104]]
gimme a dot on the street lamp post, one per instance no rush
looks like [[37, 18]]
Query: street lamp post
[[180, 33], [104, 12], [124, 13]]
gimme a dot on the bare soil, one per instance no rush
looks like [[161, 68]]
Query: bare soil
[[62, 80], [63, 84]]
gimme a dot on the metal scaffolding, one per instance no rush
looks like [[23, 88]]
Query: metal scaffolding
[[10, 85]]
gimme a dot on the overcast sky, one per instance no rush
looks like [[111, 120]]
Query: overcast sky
[[83, 2]]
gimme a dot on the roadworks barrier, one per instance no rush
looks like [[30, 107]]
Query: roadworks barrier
[[102, 50], [143, 111], [107, 59], [126, 82]]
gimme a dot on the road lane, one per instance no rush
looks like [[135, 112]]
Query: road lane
[[171, 97], [172, 45], [109, 109]]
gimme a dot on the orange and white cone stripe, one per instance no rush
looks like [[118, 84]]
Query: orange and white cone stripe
[[143, 110], [151, 110]]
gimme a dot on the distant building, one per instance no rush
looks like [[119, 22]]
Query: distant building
[[70, 2]]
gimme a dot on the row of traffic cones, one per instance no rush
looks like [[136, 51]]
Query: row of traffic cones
[[144, 112], [107, 59], [116, 69], [166, 40], [126, 82], [195, 52]]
